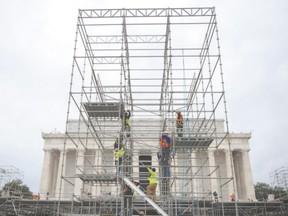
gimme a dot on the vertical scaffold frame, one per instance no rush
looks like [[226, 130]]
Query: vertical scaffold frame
[[279, 179], [152, 62]]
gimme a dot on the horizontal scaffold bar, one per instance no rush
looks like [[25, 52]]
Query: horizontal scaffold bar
[[148, 12]]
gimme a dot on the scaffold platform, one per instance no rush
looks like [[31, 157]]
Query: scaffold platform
[[103, 110], [49, 207], [193, 142], [94, 178]]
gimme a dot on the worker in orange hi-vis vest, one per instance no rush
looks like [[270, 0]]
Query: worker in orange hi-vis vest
[[232, 197], [179, 124]]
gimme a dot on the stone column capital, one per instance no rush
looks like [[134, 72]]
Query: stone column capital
[[245, 150], [228, 150], [80, 150], [47, 150], [211, 150]]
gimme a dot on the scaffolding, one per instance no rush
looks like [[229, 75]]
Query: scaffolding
[[133, 70], [279, 179], [10, 190], [152, 63], [7, 175]]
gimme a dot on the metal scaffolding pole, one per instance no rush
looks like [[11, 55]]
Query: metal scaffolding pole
[[132, 51]]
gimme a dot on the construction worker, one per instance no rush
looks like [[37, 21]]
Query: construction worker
[[165, 164], [151, 188], [215, 194], [118, 157], [128, 196], [232, 197], [250, 199], [165, 142], [117, 144], [126, 121], [179, 124]]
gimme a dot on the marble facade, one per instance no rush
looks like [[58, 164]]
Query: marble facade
[[225, 169]]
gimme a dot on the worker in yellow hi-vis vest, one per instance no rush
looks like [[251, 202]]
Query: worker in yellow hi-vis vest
[[118, 158], [151, 188]]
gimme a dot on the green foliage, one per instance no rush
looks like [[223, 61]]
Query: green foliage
[[16, 188], [262, 190], [279, 192]]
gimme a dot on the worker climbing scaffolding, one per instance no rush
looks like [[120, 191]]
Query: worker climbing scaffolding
[[179, 124], [164, 159], [126, 122], [128, 198], [151, 188], [165, 142], [118, 144], [118, 158]]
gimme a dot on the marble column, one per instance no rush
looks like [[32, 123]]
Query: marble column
[[239, 174], [78, 188], [97, 163], [249, 186], [45, 185], [213, 168], [135, 163], [194, 170], [189, 173], [56, 159], [61, 172], [229, 172]]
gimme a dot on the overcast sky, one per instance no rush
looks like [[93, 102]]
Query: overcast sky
[[36, 50]]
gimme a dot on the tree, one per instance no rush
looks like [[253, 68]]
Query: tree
[[16, 188], [280, 192], [262, 190]]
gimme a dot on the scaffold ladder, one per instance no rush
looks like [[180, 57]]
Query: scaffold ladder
[[142, 194]]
